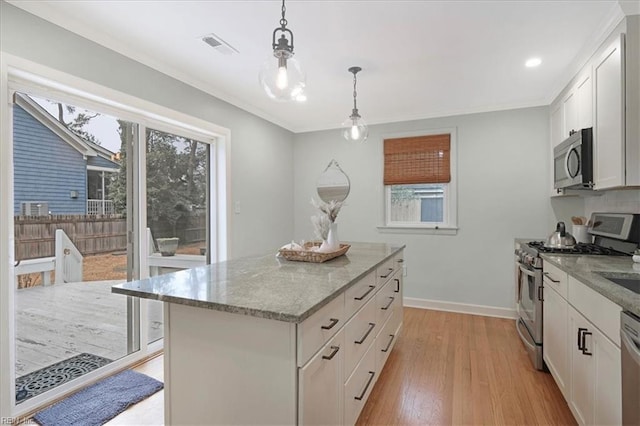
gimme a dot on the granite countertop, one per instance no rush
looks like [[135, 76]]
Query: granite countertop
[[263, 286], [583, 268]]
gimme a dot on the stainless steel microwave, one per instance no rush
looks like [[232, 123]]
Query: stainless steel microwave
[[573, 161]]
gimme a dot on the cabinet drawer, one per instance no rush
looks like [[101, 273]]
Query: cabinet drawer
[[358, 387], [602, 312], [320, 384], [359, 294], [385, 299], [385, 342], [360, 331], [385, 271], [555, 278], [316, 330]]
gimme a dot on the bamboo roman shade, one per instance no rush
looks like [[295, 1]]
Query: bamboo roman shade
[[419, 159]]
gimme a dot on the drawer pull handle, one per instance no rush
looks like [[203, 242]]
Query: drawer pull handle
[[334, 321], [400, 260], [390, 342], [584, 343], [546, 274], [371, 375], [371, 287], [361, 341], [384, 308], [333, 353], [388, 273], [580, 339], [397, 290]]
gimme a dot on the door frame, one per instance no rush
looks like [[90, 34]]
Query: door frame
[[18, 74]]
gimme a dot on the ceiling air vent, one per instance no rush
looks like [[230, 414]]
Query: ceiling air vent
[[219, 44]]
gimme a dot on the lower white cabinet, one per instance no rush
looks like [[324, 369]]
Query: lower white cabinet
[[335, 383], [320, 385], [555, 349], [581, 348], [595, 374]]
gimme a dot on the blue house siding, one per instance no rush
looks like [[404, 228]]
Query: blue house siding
[[101, 162], [46, 168]]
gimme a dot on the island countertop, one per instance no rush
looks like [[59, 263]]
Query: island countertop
[[264, 286]]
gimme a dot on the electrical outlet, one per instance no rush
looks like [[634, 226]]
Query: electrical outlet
[[404, 270], [236, 208]]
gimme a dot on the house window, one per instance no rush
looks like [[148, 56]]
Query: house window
[[419, 179]]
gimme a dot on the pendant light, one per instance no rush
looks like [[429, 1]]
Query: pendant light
[[355, 129], [283, 79]]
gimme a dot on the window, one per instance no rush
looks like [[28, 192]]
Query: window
[[419, 179]]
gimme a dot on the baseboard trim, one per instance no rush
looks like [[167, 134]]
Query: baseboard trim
[[461, 308]]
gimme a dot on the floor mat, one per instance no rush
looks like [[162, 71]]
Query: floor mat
[[42, 380], [99, 403]]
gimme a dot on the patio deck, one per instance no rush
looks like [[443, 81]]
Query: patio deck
[[59, 321]]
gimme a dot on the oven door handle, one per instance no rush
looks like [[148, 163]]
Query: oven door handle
[[630, 346], [526, 271], [524, 340]]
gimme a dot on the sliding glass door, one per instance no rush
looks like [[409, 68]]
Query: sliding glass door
[[177, 188], [73, 218]]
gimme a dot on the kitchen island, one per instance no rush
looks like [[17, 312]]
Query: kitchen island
[[264, 340]]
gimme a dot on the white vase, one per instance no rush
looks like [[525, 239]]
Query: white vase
[[332, 239]]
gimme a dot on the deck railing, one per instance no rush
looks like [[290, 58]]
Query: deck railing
[[100, 207]]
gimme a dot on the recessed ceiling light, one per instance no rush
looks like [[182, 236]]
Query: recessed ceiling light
[[533, 62]]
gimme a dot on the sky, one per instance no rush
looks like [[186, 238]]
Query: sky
[[103, 127]]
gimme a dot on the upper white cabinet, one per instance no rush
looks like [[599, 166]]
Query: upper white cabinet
[[605, 95], [609, 140]]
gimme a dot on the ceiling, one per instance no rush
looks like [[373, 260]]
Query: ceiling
[[420, 59]]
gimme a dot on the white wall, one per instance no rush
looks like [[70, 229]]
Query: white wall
[[623, 201], [261, 152], [503, 193]]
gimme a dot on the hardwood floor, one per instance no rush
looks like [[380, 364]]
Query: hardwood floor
[[450, 368], [446, 368]]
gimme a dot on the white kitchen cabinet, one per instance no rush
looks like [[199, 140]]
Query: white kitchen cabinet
[[595, 374], [320, 381], [584, 99], [581, 347], [557, 125], [570, 107], [555, 349], [609, 126]]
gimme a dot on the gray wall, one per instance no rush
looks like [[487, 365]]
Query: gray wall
[[503, 193], [261, 152]]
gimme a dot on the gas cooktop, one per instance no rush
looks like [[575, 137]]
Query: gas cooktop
[[580, 248]]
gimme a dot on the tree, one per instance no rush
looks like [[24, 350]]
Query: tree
[[78, 121], [176, 169]]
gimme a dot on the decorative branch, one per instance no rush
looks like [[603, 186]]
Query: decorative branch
[[321, 225], [331, 209]]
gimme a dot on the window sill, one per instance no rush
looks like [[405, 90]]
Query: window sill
[[416, 229]]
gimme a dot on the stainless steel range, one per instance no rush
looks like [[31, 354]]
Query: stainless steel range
[[614, 234]]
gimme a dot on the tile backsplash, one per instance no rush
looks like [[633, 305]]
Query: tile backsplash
[[625, 201]]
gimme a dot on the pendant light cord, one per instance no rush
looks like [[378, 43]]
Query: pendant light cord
[[355, 94], [283, 21]]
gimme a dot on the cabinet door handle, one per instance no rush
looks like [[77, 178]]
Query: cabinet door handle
[[389, 344], [332, 324], [580, 339], [371, 374], [361, 341], [584, 342], [397, 290], [540, 294], [388, 273], [548, 275], [384, 308], [366, 293], [333, 353], [400, 260]]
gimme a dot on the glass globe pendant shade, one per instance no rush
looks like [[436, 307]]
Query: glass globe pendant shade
[[354, 129], [282, 77]]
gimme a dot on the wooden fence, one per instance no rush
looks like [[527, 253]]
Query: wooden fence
[[91, 234]]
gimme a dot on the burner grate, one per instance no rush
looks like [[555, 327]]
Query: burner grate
[[580, 248]]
